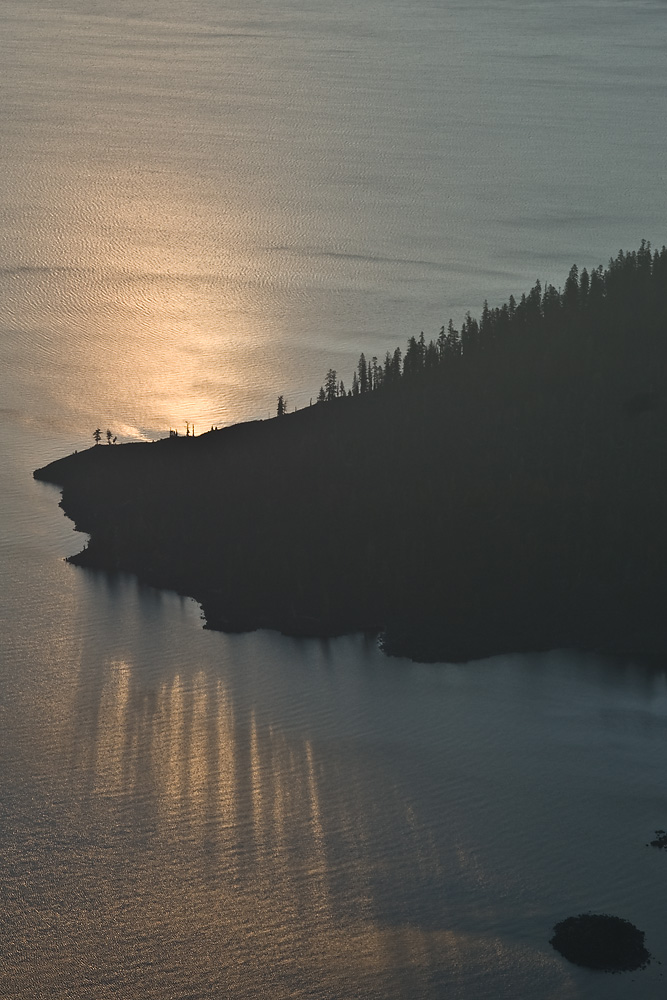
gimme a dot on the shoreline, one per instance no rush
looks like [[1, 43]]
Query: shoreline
[[423, 641], [500, 489]]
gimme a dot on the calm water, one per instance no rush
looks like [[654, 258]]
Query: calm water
[[203, 206]]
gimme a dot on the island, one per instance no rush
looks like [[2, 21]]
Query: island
[[501, 488], [602, 942]]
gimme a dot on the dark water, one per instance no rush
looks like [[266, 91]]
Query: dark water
[[203, 206]]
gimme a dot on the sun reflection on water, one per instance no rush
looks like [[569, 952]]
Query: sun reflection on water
[[113, 745], [213, 845], [156, 308]]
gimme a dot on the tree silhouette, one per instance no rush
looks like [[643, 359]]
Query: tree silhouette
[[108, 436], [331, 385], [97, 434], [282, 406], [362, 371]]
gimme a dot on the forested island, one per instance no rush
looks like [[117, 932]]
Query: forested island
[[500, 488]]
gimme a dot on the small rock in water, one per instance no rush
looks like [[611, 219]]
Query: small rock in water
[[598, 941], [660, 839]]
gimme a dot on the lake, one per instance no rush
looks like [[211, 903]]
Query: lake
[[205, 206]]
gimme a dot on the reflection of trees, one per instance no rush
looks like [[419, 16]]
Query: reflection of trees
[[203, 768], [230, 839], [192, 759]]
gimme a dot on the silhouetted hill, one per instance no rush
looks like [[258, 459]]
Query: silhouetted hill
[[501, 489]]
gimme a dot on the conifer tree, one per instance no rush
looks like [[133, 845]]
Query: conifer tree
[[363, 374], [453, 341], [331, 385]]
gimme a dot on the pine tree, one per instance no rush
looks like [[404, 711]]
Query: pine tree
[[571, 290], [374, 379], [412, 361], [331, 385], [452, 341], [397, 364], [363, 374], [441, 343]]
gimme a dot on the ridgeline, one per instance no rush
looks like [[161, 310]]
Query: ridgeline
[[501, 489]]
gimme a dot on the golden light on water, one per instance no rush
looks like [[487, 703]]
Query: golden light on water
[[168, 757], [248, 854], [113, 746], [154, 311], [172, 342]]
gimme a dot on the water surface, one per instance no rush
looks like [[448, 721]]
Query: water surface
[[203, 206]]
